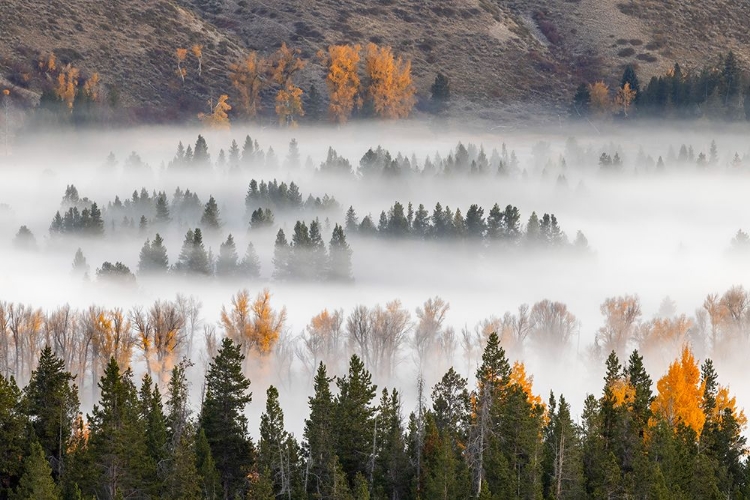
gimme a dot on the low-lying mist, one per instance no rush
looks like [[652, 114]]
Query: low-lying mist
[[658, 224]]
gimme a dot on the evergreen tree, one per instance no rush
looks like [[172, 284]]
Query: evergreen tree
[[51, 404], [392, 467], [281, 257], [248, 155], [314, 105], [319, 437], [421, 224], [201, 157], [340, 256], [80, 266], [277, 450], [223, 417], [36, 482], [292, 160], [227, 264], [234, 155], [250, 264], [210, 481], [563, 465], [352, 223], [162, 210], [354, 419], [117, 444], [155, 430], [319, 256], [12, 433], [631, 78], [210, 218], [440, 93]]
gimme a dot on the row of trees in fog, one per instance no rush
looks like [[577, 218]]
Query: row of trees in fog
[[500, 226], [491, 438], [384, 337]]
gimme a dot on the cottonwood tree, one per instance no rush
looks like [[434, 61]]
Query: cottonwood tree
[[161, 337], [621, 316], [342, 63], [551, 326], [254, 326], [249, 77], [429, 330], [180, 55], [390, 87], [323, 341]]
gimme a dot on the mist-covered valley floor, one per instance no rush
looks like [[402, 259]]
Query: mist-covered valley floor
[[653, 232], [566, 244]]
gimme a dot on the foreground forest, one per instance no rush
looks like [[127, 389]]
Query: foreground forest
[[491, 438]]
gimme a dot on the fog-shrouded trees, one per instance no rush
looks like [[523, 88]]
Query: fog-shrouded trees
[[153, 258], [253, 324], [305, 258], [161, 336]]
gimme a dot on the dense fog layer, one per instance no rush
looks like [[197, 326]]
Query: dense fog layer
[[659, 225]]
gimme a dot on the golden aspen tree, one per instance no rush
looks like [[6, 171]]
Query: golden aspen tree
[[67, 84], [342, 62], [92, 87], [726, 402], [664, 335], [289, 105], [197, 51], [112, 337], [600, 102], [218, 117], [624, 98], [181, 54], [621, 392], [161, 337], [390, 87], [248, 76], [680, 394], [47, 63]]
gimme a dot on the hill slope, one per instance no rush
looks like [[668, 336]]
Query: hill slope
[[504, 58]]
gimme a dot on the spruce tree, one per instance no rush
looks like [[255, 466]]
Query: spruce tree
[[36, 482], [162, 210], [201, 157], [13, 435], [319, 437], [80, 266], [223, 418], [354, 419]]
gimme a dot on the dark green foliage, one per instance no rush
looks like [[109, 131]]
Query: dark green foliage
[[51, 404], [223, 418], [201, 157], [36, 482], [440, 93], [12, 433], [354, 419], [340, 257]]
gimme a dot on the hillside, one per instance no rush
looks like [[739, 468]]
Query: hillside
[[504, 58]]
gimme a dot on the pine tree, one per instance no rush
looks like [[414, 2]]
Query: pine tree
[[36, 482], [340, 257], [223, 419], [154, 425], [51, 404], [281, 257], [80, 266], [210, 218], [227, 263], [563, 465], [440, 93], [13, 437], [354, 419], [318, 254], [201, 157], [234, 155], [210, 481], [162, 210], [250, 264], [352, 222], [247, 152], [277, 450], [116, 440], [319, 437]]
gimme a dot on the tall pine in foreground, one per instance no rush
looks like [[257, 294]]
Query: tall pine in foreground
[[223, 418]]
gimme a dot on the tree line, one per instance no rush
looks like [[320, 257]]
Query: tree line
[[717, 91], [501, 226], [493, 438]]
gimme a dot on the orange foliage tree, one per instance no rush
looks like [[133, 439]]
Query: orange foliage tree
[[390, 86], [67, 84], [181, 54], [625, 97], [680, 394], [254, 326], [519, 377], [342, 62], [289, 105], [248, 76], [600, 102], [218, 117], [197, 51]]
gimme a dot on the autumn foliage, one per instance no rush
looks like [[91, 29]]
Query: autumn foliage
[[680, 394], [390, 86], [342, 63], [248, 77]]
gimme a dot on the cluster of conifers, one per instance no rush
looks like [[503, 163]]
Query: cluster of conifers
[[491, 439]]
